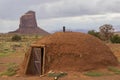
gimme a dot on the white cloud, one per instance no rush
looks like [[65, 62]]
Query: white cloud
[[8, 25], [57, 8], [80, 22]]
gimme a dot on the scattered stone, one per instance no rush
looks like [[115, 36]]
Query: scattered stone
[[55, 78], [17, 75]]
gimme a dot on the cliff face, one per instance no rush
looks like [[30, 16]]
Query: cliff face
[[28, 25], [28, 20]]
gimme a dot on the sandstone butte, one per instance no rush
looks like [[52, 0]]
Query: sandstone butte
[[28, 25]]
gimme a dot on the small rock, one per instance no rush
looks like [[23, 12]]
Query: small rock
[[51, 71], [42, 75], [17, 75], [55, 78]]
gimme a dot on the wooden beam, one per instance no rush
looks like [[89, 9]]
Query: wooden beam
[[28, 60], [43, 67]]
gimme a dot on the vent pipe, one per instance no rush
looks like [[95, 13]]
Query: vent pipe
[[63, 28]]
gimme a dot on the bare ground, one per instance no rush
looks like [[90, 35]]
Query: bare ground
[[71, 76]]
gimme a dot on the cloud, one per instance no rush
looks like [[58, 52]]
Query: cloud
[[88, 22], [68, 8], [12, 9], [109, 6], [8, 25], [65, 8]]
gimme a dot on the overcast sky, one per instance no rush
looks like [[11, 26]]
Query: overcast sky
[[53, 14]]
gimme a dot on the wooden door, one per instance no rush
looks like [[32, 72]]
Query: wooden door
[[38, 60]]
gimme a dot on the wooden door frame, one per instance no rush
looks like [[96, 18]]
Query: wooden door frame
[[30, 55], [43, 67], [43, 63]]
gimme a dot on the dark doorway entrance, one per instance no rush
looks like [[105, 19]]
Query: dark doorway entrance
[[38, 60]]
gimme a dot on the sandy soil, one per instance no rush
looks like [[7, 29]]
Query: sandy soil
[[72, 76]]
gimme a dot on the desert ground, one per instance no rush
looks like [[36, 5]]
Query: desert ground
[[12, 53]]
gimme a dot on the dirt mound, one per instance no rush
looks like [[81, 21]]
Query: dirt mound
[[69, 51], [76, 51]]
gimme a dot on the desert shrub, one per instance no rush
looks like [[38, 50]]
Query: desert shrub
[[16, 38], [94, 73], [36, 36], [3, 54], [94, 33], [11, 70], [114, 69], [106, 32], [115, 39]]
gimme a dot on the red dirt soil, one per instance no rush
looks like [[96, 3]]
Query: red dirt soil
[[73, 51]]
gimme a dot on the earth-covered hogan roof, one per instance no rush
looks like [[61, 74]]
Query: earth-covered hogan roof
[[71, 51]]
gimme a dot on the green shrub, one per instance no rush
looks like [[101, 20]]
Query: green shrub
[[114, 69], [115, 39], [3, 54], [16, 38], [94, 74], [11, 70], [94, 33]]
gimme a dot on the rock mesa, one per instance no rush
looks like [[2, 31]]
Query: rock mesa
[[28, 25]]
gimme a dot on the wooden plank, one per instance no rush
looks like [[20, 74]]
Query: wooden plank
[[43, 67], [29, 55], [37, 65], [37, 53]]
